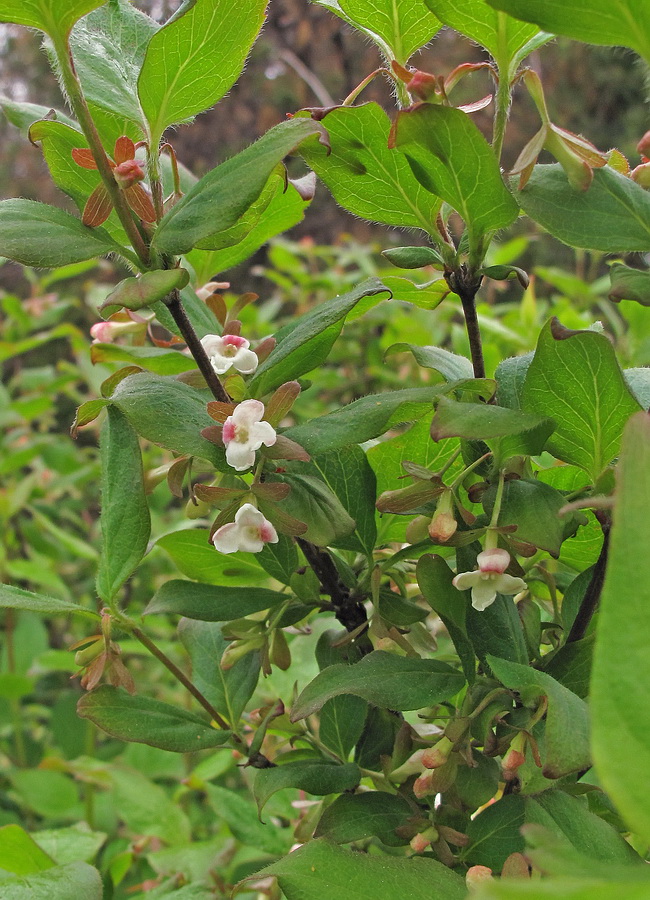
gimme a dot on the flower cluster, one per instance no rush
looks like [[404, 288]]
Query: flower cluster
[[230, 352], [490, 578]]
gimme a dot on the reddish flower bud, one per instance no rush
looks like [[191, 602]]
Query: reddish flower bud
[[128, 173], [644, 145]]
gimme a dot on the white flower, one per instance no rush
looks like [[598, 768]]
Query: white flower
[[209, 289], [250, 531], [229, 351], [244, 433], [490, 578]]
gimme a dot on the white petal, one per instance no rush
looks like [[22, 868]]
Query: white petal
[[484, 594], [465, 580], [247, 514], [248, 413], [250, 541], [240, 456], [245, 361], [221, 364], [262, 433], [268, 533], [509, 584], [212, 343], [226, 538]]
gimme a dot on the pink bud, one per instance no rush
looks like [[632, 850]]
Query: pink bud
[[641, 175], [477, 875], [644, 145], [128, 173], [493, 560]]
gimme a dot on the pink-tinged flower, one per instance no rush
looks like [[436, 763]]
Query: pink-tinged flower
[[105, 332], [490, 578], [244, 433], [207, 290], [229, 351], [250, 531]]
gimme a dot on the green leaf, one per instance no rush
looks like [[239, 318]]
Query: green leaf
[[571, 665], [321, 869], [211, 603], [567, 818], [196, 558], [349, 476], [510, 431], [385, 680], [228, 691], [17, 598], [147, 721], [353, 817], [413, 257], [308, 343], [450, 158], [364, 419], [148, 288], [315, 776], [510, 377], [279, 560], [311, 501], [42, 236], [364, 176], [629, 284], [23, 115], [240, 816], [54, 17], [221, 197], [497, 630], [146, 808], [623, 23], [398, 27], [638, 381], [20, 854], [341, 724], [109, 48], [449, 365], [435, 580], [70, 882], [495, 833], [125, 520], [576, 378], [77, 843], [613, 214], [508, 40], [566, 716], [181, 75], [159, 360], [562, 888], [168, 413], [621, 719], [534, 508]]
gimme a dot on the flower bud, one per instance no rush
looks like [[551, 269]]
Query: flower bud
[[477, 875], [641, 175], [207, 290], [128, 173], [644, 145], [437, 756], [420, 842]]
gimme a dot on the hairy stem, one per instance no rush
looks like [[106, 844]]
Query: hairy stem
[[175, 306], [592, 594], [466, 285], [80, 109]]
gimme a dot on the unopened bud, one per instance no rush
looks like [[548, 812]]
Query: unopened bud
[[515, 866], [437, 756], [644, 145], [128, 173], [515, 757], [207, 290], [105, 332], [641, 175], [423, 786], [420, 842], [424, 86], [477, 875]]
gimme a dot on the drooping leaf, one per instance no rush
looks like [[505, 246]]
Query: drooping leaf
[[450, 158], [310, 339], [42, 236], [612, 215], [228, 691], [630, 284], [109, 48], [620, 716], [567, 723], [19, 852], [148, 721], [17, 598], [385, 680], [315, 776], [508, 40], [221, 197], [125, 520], [364, 419], [321, 869], [69, 882], [211, 603], [353, 817], [364, 175], [576, 378], [181, 74], [169, 413], [54, 17], [624, 23], [23, 115]]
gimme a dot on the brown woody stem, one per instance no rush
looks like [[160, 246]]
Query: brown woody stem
[[175, 306], [592, 594], [466, 285]]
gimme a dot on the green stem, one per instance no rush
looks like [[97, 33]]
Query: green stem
[[89, 787], [80, 108], [502, 108]]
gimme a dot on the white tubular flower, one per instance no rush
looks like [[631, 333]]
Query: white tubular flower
[[490, 578], [229, 351], [244, 433], [209, 289], [249, 532]]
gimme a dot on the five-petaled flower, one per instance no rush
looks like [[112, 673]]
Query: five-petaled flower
[[489, 579], [127, 172], [244, 433], [250, 531], [230, 351]]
